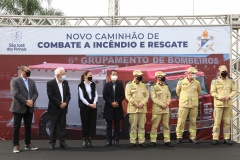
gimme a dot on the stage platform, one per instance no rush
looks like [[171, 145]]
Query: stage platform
[[184, 151]]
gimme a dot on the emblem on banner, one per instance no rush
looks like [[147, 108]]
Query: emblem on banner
[[206, 42], [16, 35]]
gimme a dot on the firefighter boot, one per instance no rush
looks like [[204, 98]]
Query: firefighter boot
[[131, 145], [228, 141], [143, 145], [168, 144], [179, 140], [153, 144], [214, 142], [194, 141]]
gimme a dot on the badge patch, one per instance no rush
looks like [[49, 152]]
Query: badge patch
[[178, 83], [206, 42], [213, 82], [152, 88], [127, 87]]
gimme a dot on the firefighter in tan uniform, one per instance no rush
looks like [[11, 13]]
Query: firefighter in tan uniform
[[223, 89], [137, 95], [188, 90], [161, 98]]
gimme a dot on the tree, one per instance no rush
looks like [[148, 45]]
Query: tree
[[27, 7]]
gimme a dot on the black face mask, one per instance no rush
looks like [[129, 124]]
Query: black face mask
[[28, 73], [89, 78], [162, 79], [224, 74], [139, 78]]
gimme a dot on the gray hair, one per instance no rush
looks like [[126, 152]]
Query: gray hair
[[58, 71]]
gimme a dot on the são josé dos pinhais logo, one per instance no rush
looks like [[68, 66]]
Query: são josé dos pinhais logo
[[206, 42]]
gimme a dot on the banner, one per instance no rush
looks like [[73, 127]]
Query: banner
[[100, 49], [116, 40]]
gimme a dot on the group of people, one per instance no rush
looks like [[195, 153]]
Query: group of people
[[188, 89]]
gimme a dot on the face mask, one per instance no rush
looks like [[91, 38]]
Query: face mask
[[63, 78], [224, 74], [139, 78], [114, 78], [194, 76], [28, 73], [90, 78], [162, 79]]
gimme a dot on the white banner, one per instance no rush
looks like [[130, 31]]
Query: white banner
[[114, 40]]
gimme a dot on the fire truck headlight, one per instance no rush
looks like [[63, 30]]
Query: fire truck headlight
[[173, 113], [207, 109]]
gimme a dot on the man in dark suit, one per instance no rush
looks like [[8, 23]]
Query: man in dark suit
[[113, 94], [59, 96], [24, 94]]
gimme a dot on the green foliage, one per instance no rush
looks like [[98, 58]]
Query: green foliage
[[27, 7]]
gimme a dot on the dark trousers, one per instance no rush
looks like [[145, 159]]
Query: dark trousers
[[27, 118], [116, 130], [58, 121], [89, 120]]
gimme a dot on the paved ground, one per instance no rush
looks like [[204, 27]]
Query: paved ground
[[187, 151]]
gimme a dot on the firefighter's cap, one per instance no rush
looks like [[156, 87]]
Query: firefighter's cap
[[223, 68], [192, 70], [159, 73], [137, 72]]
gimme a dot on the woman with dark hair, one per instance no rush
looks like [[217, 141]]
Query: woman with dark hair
[[87, 100]]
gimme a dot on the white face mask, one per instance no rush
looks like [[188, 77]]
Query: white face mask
[[63, 78], [194, 76], [114, 78]]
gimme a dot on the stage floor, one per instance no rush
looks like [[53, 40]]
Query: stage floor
[[184, 151]]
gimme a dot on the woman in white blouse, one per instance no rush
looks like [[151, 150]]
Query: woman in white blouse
[[87, 101]]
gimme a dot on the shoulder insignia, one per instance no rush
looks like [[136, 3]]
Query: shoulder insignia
[[197, 81], [130, 83], [181, 79], [213, 82], [156, 84]]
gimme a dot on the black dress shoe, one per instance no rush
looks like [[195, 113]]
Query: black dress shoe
[[143, 145], [116, 143], [214, 142], [153, 144], [64, 145], [89, 144], [131, 145], [168, 144], [194, 141], [85, 142], [228, 141], [109, 143], [51, 147], [179, 140]]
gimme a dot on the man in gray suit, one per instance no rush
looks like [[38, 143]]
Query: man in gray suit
[[24, 94]]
